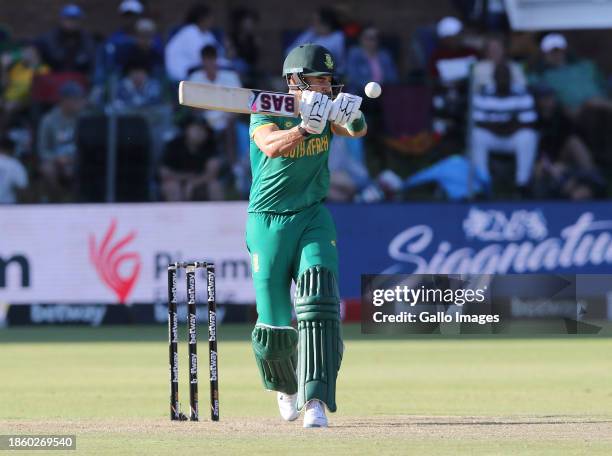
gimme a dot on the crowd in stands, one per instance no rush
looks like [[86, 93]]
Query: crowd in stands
[[473, 111]]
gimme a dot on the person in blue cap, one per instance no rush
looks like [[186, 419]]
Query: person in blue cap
[[68, 47]]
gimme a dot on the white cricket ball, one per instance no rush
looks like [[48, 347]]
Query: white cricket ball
[[372, 89]]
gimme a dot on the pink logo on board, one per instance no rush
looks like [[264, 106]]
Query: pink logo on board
[[116, 266]]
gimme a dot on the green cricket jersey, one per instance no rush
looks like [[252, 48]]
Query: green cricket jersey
[[294, 181]]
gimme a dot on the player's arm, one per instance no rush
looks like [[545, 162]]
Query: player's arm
[[274, 142], [315, 109], [356, 129]]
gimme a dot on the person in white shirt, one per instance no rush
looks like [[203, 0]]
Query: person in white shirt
[[210, 73], [13, 175], [183, 50]]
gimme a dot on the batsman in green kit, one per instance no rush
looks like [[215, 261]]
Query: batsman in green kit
[[291, 237]]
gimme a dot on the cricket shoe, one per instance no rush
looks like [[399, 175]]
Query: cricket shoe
[[314, 416], [287, 406]]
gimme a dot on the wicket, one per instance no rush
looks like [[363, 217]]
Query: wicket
[[192, 340]]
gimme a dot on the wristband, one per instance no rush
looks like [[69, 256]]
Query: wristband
[[357, 125], [303, 131]]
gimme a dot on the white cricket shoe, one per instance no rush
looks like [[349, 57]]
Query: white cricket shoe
[[287, 406], [314, 415]]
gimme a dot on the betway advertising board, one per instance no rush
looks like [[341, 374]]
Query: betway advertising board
[[119, 253]]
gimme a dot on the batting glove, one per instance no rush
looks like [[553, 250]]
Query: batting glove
[[345, 109], [314, 109]]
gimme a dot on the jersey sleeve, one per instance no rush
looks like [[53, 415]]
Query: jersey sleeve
[[259, 120]]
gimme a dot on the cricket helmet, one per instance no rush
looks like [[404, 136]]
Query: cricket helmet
[[309, 60]]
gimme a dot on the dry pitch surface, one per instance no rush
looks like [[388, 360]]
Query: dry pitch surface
[[435, 396]]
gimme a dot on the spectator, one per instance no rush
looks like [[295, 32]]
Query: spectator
[[130, 11], [495, 54], [183, 49], [565, 167], [68, 47], [451, 60], [243, 44], [57, 142], [190, 168], [16, 75], [138, 89], [579, 87], [504, 118], [449, 68], [368, 62], [577, 83], [325, 31], [210, 73], [135, 35], [13, 175], [146, 49]]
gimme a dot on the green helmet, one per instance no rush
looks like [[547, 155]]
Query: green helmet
[[309, 60]]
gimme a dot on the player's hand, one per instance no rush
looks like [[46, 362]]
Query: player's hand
[[345, 109], [314, 109]]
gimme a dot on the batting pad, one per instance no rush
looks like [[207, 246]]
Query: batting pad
[[317, 306], [275, 354]]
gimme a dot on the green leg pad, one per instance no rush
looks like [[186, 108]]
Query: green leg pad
[[317, 306], [275, 351]]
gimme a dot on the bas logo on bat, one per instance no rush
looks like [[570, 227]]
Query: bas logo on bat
[[274, 102]]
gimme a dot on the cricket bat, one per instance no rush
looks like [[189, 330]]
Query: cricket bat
[[238, 100]]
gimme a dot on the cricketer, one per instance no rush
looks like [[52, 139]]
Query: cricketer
[[291, 236]]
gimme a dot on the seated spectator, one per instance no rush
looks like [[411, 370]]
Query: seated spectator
[[56, 142], [565, 167], [191, 168], [138, 89], [146, 49], [577, 83], [368, 62], [68, 47], [17, 72], [449, 68], [210, 73], [13, 175], [136, 37], [325, 31], [504, 120], [243, 44], [495, 54], [130, 12], [579, 87], [183, 51], [451, 60]]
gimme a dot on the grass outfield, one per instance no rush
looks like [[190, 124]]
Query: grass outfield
[[109, 386]]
